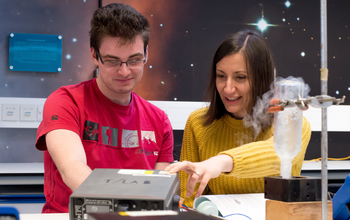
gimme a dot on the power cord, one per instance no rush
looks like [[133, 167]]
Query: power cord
[[238, 214], [318, 159]]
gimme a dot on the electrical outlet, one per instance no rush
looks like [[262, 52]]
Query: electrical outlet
[[28, 113], [10, 112]]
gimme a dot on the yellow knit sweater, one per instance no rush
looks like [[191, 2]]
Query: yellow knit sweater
[[253, 159]]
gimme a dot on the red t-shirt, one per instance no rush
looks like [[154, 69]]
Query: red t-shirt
[[136, 136]]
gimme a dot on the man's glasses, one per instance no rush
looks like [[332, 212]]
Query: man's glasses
[[131, 64]]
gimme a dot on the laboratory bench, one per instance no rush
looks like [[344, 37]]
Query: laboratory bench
[[21, 184]]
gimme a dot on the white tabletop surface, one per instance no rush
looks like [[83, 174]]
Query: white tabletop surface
[[60, 216], [65, 216]]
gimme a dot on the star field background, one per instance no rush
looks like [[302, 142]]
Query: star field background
[[184, 37], [186, 34]]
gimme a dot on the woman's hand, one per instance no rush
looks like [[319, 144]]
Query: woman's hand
[[202, 171]]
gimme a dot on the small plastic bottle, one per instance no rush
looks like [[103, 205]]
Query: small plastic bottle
[[288, 125]]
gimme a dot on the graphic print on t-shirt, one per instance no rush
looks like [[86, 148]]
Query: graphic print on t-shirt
[[90, 131], [110, 136], [148, 137], [130, 138], [149, 144]]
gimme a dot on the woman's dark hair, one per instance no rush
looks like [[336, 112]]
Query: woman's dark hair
[[118, 20], [260, 67]]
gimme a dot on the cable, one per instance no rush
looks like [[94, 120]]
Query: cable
[[187, 208], [237, 214], [217, 217], [190, 209], [318, 159]]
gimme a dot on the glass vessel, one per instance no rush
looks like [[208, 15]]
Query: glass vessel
[[288, 125]]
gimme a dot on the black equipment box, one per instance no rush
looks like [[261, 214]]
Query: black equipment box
[[114, 190], [296, 189]]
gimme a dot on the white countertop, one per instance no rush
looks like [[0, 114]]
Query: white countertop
[[21, 168], [332, 165]]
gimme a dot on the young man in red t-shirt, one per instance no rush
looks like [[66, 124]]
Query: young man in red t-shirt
[[101, 123]]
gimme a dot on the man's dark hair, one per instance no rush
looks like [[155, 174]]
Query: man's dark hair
[[260, 67], [118, 20]]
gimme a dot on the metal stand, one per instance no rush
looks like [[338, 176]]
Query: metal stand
[[324, 134]]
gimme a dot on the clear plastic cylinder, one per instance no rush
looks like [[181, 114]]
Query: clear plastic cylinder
[[288, 125]]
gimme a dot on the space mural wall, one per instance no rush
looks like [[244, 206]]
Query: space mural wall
[[184, 37]]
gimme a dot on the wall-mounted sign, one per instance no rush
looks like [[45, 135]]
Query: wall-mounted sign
[[35, 52]]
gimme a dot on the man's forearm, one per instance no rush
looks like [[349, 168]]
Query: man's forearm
[[75, 175]]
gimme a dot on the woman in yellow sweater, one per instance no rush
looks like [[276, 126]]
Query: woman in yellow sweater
[[219, 151]]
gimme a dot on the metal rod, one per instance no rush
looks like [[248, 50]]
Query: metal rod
[[324, 134]]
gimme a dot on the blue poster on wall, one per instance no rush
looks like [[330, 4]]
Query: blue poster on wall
[[35, 52]]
